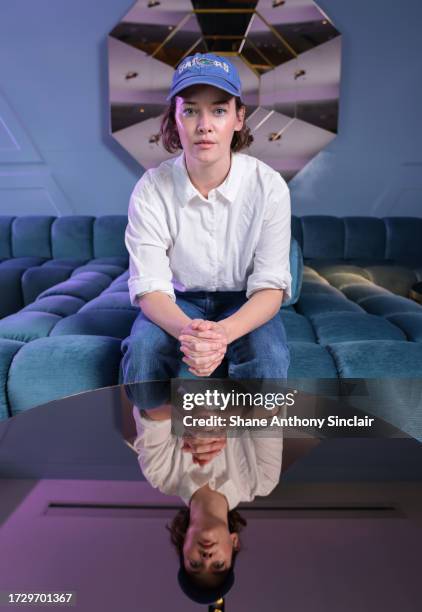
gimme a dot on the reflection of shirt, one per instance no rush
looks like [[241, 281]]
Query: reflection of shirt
[[237, 239], [246, 467]]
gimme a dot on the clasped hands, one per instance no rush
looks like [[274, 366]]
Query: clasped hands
[[204, 344], [204, 449]]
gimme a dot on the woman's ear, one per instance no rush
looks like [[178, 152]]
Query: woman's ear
[[236, 542], [241, 117]]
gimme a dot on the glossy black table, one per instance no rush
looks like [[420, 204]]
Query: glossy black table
[[341, 531]]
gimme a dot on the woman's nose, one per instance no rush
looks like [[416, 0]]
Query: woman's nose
[[203, 123], [205, 554], [203, 129]]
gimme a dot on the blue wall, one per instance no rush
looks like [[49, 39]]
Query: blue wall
[[54, 103], [57, 157], [374, 166]]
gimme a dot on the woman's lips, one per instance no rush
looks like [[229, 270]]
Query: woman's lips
[[204, 145]]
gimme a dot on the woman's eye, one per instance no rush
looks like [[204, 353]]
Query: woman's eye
[[189, 111], [194, 564], [219, 565]]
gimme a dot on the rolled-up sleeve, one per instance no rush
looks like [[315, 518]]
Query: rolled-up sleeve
[[155, 446], [147, 240], [271, 263]]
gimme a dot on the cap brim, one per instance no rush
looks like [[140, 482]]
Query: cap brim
[[199, 80], [204, 595]]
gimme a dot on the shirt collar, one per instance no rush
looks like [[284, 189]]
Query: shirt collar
[[228, 189]]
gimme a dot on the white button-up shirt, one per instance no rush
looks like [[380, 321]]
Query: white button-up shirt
[[247, 466], [237, 239]]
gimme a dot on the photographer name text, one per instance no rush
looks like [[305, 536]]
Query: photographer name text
[[291, 421]]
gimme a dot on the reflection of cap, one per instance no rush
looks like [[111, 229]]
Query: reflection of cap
[[208, 69], [200, 594]]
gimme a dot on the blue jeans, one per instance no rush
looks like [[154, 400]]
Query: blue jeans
[[151, 354]]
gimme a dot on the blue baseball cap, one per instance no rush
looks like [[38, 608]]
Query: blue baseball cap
[[207, 69], [203, 595]]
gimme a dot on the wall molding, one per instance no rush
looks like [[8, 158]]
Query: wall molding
[[15, 144], [19, 185]]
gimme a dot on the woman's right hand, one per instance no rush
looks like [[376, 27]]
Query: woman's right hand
[[204, 352], [203, 449]]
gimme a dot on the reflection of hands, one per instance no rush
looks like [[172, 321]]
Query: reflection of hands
[[204, 449], [204, 344]]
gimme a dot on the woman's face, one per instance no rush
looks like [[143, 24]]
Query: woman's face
[[204, 112], [208, 551]]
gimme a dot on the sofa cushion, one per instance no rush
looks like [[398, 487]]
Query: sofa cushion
[[72, 236], [389, 304], [351, 326], [312, 275], [109, 236], [364, 237], [323, 237], [397, 279], [397, 401], [404, 242], [61, 305], [313, 287], [59, 366], [35, 280], [27, 326], [31, 236], [122, 262], [298, 328], [113, 323], [120, 287], [70, 263], [377, 359], [309, 304], [361, 291], [6, 236], [110, 270], [11, 291], [85, 285], [21, 263], [8, 350], [410, 323], [309, 360], [328, 269], [344, 279], [118, 300]]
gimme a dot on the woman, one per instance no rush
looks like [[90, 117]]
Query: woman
[[208, 237], [212, 475]]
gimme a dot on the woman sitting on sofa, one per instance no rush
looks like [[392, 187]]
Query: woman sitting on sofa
[[208, 236]]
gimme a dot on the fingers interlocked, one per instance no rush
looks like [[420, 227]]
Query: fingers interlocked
[[203, 450], [204, 344]]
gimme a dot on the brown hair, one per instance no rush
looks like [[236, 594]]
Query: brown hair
[[180, 523], [170, 136]]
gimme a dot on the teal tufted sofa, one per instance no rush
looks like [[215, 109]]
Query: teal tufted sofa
[[76, 309], [69, 310], [37, 252]]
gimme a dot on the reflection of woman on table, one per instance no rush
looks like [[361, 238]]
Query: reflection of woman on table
[[206, 532]]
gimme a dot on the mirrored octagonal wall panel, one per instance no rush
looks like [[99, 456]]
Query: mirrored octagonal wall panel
[[288, 54]]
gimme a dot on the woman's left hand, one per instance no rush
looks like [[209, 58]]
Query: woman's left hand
[[204, 450], [201, 360]]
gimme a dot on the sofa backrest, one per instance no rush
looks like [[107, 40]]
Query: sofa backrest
[[367, 238], [66, 237]]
